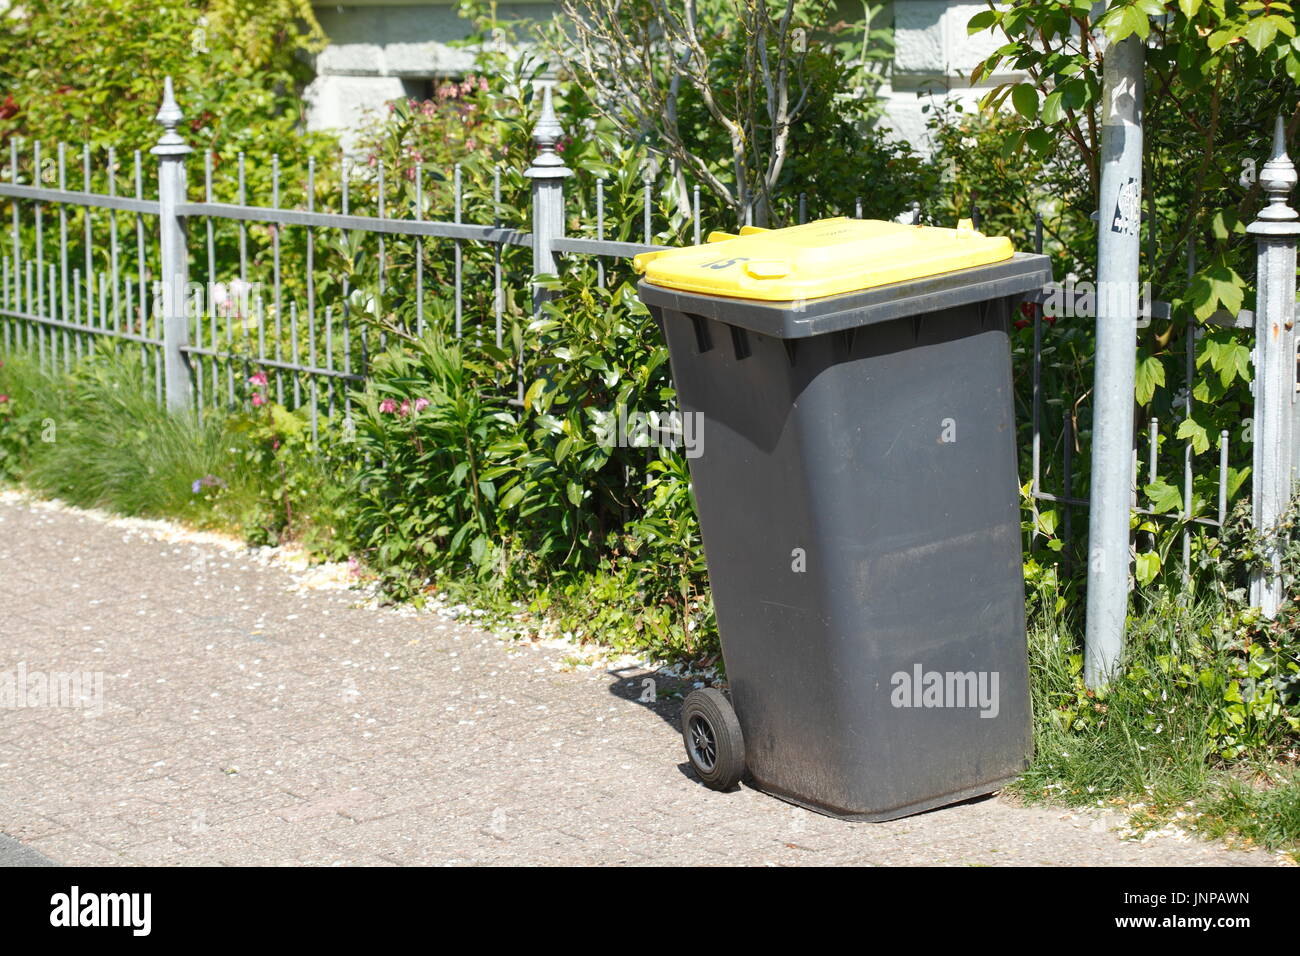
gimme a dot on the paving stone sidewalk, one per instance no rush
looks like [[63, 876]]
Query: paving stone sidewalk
[[247, 720]]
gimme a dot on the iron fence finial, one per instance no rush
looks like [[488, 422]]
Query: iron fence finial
[[1278, 178], [169, 117], [547, 132]]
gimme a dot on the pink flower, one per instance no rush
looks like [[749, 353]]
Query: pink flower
[[388, 406], [3, 399], [406, 408], [259, 398], [421, 404], [257, 378]]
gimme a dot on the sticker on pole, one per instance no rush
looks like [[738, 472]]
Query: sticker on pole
[[1128, 209]]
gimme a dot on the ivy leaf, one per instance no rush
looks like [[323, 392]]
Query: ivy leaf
[[1220, 283], [1191, 430], [1125, 22], [1150, 376], [1236, 478], [1164, 497]]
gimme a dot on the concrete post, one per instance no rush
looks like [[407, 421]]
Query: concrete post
[[1274, 385], [173, 255]]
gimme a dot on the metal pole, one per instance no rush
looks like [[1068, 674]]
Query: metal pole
[[1275, 232], [171, 151], [1118, 238], [548, 173]]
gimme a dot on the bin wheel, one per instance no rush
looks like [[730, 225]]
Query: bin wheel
[[714, 744]]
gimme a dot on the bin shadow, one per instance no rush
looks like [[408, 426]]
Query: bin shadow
[[661, 693]]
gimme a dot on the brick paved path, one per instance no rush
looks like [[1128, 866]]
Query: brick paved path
[[248, 721]]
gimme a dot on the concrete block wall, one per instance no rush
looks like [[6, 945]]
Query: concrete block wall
[[382, 50], [933, 60]]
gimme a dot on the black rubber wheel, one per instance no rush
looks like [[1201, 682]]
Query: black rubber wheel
[[714, 744]]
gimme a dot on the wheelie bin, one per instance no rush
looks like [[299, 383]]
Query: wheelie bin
[[857, 492]]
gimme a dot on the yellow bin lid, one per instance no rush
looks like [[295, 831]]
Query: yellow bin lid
[[818, 259]]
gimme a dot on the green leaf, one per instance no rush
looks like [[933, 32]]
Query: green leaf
[[1150, 376], [1164, 497], [982, 21], [1146, 566], [1040, 141], [1189, 7], [512, 497], [1025, 99], [1260, 32], [1053, 109], [1191, 430]]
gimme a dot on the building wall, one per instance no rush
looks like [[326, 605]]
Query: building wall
[[382, 50], [933, 60]]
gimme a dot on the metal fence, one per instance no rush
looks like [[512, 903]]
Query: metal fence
[[1063, 441], [123, 264], [119, 268], [1275, 427], [201, 341]]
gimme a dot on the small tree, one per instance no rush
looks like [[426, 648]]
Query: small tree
[[678, 72]]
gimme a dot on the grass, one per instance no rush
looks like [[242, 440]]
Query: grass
[[99, 439], [115, 448], [1151, 744]]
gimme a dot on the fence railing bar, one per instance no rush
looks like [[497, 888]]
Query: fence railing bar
[[67, 197], [598, 247], [60, 324], [1084, 503], [293, 347], [695, 213], [64, 297], [329, 359], [237, 357], [114, 241], [1223, 477], [142, 274], [330, 220], [648, 183], [600, 228], [40, 250]]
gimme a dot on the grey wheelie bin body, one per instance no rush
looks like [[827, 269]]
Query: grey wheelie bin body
[[858, 497]]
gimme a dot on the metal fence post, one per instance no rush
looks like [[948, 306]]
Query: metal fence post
[[173, 255], [1275, 229], [1118, 236], [548, 173]]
